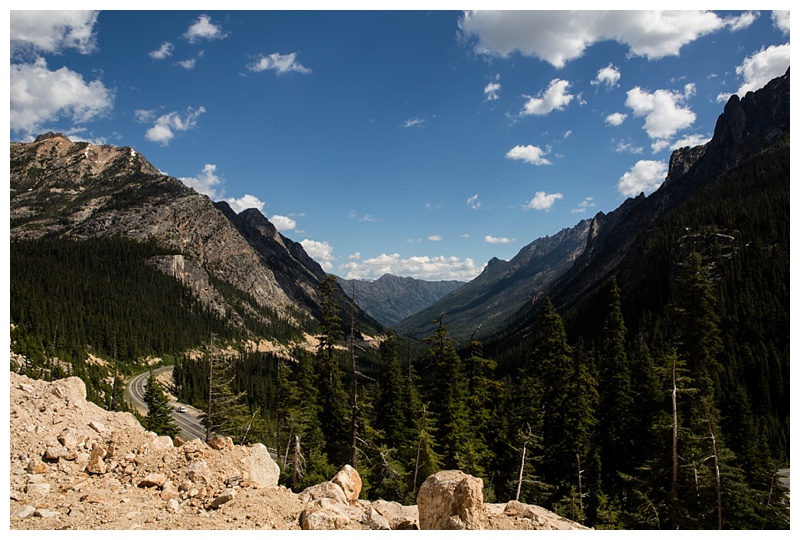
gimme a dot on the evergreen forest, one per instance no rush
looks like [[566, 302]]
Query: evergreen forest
[[660, 400]]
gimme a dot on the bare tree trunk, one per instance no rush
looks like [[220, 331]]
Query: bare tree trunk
[[580, 482], [521, 469], [288, 445], [717, 474], [674, 488], [297, 457], [353, 388]]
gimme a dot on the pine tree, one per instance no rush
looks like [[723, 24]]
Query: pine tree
[[225, 414], [333, 400], [159, 415], [448, 394], [482, 391], [552, 356], [616, 396]]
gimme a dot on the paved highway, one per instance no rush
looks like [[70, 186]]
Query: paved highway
[[188, 422]]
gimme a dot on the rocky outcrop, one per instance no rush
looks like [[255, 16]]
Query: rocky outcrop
[[450, 500], [76, 466]]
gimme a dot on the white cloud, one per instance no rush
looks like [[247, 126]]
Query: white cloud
[[690, 140], [166, 125], [322, 252], [558, 37], [283, 223], [646, 176], [616, 119], [763, 66], [473, 202], [189, 63], [245, 202], [554, 98], [203, 28], [528, 154], [39, 95], [542, 201], [498, 239], [588, 202], [422, 267], [280, 63], [434, 238], [205, 183], [162, 52], [663, 110], [625, 146], [609, 76], [742, 21], [52, 31], [355, 256], [491, 89], [781, 21], [411, 122]]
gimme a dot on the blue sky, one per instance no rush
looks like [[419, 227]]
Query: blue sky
[[418, 143]]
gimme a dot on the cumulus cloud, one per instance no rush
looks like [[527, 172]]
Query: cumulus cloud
[[322, 252], [608, 75], [473, 202], [205, 183], [162, 52], [39, 95], [742, 21], [529, 154], [283, 223], [781, 21], [542, 201], [498, 239], [763, 66], [52, 31], [554, 98], [646, 176], [616, 119], [491, 89], [166, 125], [663, 110], [203, 28], [245, 202], [588, 202], [434, 238], [421, 267], [690, 140], [558, 37], [280, 63]]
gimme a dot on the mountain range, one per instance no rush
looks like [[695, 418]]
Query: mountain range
[[573, 263], [238, 265], [390, 299]]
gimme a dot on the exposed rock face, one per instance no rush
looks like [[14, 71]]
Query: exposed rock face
[[77, 466], [450, 500]]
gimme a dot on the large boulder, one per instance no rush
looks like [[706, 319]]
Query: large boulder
[[350, 482], [263, 468], [325, 490], [450, 500], [324, 514]]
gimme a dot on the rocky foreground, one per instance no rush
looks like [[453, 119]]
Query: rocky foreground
[[74, 465]]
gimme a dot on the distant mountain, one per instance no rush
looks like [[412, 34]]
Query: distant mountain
[[503, 287], [390, 299], [567, 267], [621, 243], [237, 265]]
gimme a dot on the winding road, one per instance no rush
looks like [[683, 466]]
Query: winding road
[[188, 421]]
